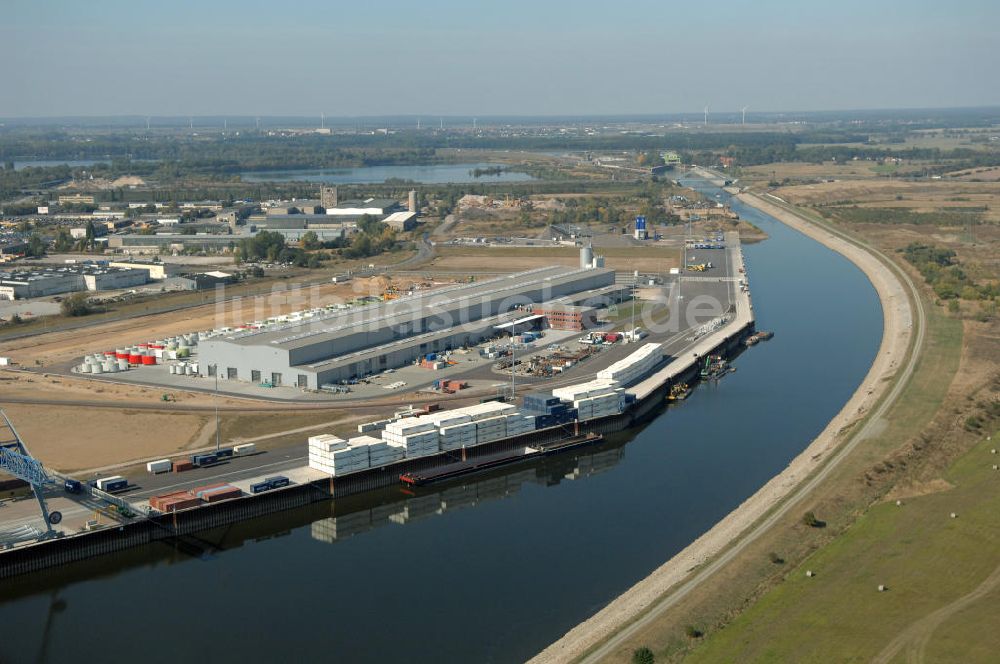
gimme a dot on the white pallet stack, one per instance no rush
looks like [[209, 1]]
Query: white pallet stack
[[457, 436], [635, 366], [594, 388], [601, 406], [408, 426], [415, 444], [519, 424], [417, 436], [380, 452], [489, 409], [385, 453], [490, 429], [446, 418], [336, 456]]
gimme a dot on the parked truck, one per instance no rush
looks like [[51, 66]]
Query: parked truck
[[203, 459], [112, 484]]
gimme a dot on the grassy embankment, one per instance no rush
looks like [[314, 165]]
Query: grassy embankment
[[861, 480], [929, 562], [896, 456]]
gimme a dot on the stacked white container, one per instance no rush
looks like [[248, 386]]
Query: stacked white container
[[635, 366], [380, 452], [594, 388], [600, 406], [419, 437], [490, 429], [335, 456], [457, 436], [518, 424]]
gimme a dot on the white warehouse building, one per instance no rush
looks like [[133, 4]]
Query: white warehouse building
[[356, 342]]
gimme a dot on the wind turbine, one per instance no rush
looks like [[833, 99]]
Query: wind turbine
[[745, 114], [706, 115]]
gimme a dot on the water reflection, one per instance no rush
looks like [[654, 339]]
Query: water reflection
[[471, 493]]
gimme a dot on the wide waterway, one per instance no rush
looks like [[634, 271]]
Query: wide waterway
[[422, 173], [538, 549]]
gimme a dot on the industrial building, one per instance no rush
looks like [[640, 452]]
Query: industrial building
[[171, 242], [373, 207], [355, 342], [567, 316], [22, 284], [404, 220], [156, 270]]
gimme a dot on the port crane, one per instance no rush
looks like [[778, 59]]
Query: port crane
[[16, 460]]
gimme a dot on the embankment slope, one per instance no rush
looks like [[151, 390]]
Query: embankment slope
[[598, 636]]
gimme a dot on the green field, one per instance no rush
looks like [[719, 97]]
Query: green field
[[930, 564]]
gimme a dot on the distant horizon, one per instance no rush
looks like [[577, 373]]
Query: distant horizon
[[431, 120], [517, 58]]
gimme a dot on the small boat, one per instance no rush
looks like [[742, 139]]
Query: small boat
[[678, 392]]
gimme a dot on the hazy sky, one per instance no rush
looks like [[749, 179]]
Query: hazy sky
[[505, 57]]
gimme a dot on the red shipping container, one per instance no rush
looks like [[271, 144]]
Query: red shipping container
[[179, 504], [180, 466], [161, 502], [221, 494]]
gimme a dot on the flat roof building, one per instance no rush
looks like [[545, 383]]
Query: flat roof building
[[314, 351], [401, 221], [374, 207], [156, 270], [22, 284]]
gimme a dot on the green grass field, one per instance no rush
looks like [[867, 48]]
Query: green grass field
[[927, 560]]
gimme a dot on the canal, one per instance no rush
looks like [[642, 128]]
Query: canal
[[495, 569]]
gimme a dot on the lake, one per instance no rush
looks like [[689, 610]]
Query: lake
[[424, 174]]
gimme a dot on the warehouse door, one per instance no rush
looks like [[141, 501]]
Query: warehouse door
[[254, 376], [303, 380], [231, 373], [276, 379]]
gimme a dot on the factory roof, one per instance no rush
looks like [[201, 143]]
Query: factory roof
[[338, 323], [404, 215], [56, 272], [565, 308], [401, 344]]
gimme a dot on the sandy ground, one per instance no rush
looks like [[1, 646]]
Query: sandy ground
[[25, 385], [897, 315], [68, 438], [72, 345]]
